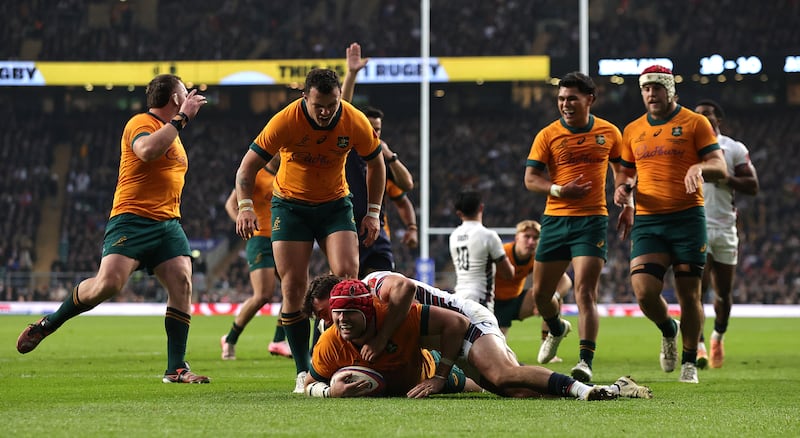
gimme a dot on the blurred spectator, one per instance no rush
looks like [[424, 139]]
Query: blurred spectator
[[73, 30]]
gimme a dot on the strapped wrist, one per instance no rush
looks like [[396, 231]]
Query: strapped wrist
[[318, 389], [179, 121]]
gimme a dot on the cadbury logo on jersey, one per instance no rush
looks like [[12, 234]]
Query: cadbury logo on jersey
[[570, 158], [316, 160], [343, 142], [643, 152]]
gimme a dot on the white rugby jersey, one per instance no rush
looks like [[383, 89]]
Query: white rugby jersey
[[719, 196], [433, 296], [474, 250]]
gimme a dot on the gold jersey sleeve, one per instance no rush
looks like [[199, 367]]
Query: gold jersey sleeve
[[262, 202], [313, 158], [149, 189], [567, 152], [392, 191], [509, 289], [662, 152]]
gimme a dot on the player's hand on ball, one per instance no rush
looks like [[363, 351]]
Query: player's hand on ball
[[348, 387]]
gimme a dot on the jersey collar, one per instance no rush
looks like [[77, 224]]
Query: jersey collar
[[574, 130], [314, 125]]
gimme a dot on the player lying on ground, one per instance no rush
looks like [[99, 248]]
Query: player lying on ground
[[494, 363]]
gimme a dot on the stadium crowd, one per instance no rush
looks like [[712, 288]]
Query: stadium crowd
[[491, 149], [84, 30], [25, 186], [492, 152]]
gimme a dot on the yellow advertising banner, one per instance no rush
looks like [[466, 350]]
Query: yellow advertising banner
[[282, 72]]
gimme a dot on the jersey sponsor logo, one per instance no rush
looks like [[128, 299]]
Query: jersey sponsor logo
[[657, 133], [579, 159], [643, 152], [121, 241], [582, 139], [310, 159], [303, 141], [600, 139], [322, 139]]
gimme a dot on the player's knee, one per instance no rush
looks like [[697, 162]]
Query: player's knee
[[107, 285], [262, 299], [653, 269], [688, 270]]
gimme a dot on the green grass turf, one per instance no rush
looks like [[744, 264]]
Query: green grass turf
[[101, 376]]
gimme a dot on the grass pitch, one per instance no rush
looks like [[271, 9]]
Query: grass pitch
[[101, 376]]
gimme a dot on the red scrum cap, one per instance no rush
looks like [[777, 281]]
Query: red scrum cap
[[352, 295], [660, 75]]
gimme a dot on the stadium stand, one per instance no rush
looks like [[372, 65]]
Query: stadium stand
[[82, 30], [491, 149]]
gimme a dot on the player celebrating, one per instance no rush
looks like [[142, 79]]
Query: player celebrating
[[144, 229], [667, 155], [310, 196], [575, 151]]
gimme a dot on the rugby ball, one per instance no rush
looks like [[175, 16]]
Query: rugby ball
[[353, 373]]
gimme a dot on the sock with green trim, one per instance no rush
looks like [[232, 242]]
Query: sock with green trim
[[176, 324], [669, 328], [280, 334], [70, 308], [233, 334], [688, 355], [556, 327], [587, 348], [298, 332]]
